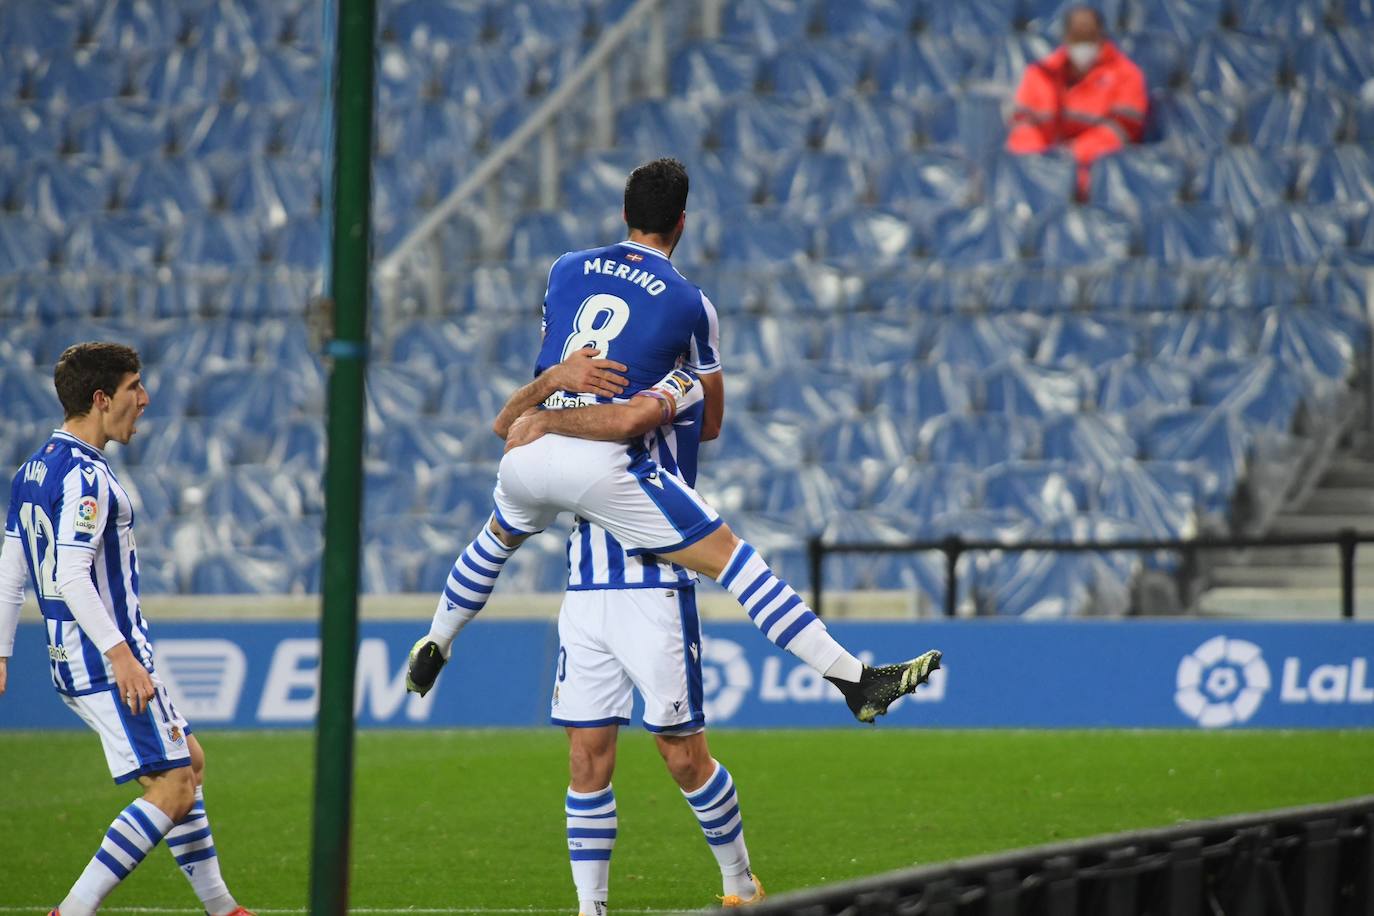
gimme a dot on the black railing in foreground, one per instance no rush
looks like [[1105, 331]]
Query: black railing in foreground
[[1311, 861], [1347, 539]]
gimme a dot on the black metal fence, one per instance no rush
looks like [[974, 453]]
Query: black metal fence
[[1310, 861], [954, 547]]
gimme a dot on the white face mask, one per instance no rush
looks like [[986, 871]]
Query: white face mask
[[1084, 54]]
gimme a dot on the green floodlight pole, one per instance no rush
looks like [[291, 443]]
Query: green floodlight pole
[[347, 349]]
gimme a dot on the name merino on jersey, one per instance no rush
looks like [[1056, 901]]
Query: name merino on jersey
[[628, 301], [65, 497]]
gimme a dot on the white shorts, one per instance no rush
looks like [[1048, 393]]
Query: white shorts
[[135, 746], [644, 507], [613, 641]]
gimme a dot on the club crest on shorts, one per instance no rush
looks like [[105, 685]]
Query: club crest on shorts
[[174, 734]]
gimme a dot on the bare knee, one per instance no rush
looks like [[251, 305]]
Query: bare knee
[[173, 792], [688, 759], [708, 556], [591, 758]]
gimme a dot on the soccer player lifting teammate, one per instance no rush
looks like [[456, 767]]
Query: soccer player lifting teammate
[[599, 461], [70, 533]]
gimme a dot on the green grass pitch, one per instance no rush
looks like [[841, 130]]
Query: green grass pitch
[[471, 821]]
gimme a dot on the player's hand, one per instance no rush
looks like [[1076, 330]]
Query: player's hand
[[4, 674], [135, 686], [583, 373], [526, 429]]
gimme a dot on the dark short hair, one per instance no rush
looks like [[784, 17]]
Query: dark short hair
[[655, 196], [1084, 8], [85, 368]]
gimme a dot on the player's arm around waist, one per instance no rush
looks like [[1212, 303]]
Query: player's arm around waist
[[647, 410], [581, 373]]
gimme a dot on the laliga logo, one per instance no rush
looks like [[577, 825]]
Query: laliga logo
[[1222, 682], [725, 678]]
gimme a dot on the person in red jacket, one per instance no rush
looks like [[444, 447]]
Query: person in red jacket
[[1087, 95]]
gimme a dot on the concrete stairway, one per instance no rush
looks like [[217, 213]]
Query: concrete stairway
[[1303, 582]]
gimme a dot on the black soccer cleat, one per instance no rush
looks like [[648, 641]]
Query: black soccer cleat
[[423, 666], [878, 688]]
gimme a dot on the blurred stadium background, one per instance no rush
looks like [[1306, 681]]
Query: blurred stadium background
[[923, 336]]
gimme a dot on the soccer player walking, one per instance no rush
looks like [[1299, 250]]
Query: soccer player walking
[[69, 533]]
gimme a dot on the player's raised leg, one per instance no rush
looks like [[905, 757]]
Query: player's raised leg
[[591, 816], [193, 846], [709, 790]]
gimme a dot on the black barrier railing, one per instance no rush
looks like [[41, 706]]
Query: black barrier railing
[[1346, 540], [1310, 861]]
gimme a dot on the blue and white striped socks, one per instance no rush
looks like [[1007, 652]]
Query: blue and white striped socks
[[469, 586], [782, 616], [716, 806], [194, 849], [138, 829], [591, 837]]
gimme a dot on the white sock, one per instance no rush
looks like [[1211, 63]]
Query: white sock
[[138, 829], [469, 586], [194, 850], [716, 806], [782, 616], [591, 837]]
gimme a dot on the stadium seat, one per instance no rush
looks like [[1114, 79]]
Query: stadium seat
[[813, 72], [923, 391], [974, 440], [979, 341], [1189, 122], [1340, 175], [1080, 236], [1073, 341], [241, 571], [202, 130], [873, 438], [1234, 64], [1036, 584], [1137, 286], [198, 446], [917, 68], [806, 497], [656, 127], [768, 25], [112, 242], [1279, 18], [1188, 234], [1289, 118], [762, 236], [1290, 236], [970, 21], [1242, 180], [1306, 340], [814, 184], [28, 132], [971, 123], [758, 128], [1032, 184], [544, 235], [864, 21], [1135, 179], [979, 235], [868, 130], [24, 246], [1022, 389], [1159, 55], [1266, 392], [1130, 384], [1185, 19], [80, 77], [434, 28], [1040, 491], [1157, 496], [1002, 59], [28, 396], [869, 238], [712, 71], [57, 190], [1090, 440], [1194, 337], [183, 76], [1248, 286], [1032, 288], [1337, 59], [1214, 437], [927, 183], [485, 77], [119, 131]]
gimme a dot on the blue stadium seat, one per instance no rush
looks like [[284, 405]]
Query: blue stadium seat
[[865, 20], [112, 242], [242, 571], [1247, 286], [1188, 234], [1290, 236], [57, 190], [485, 77], [419, 446], [24, 246], [1341, 174], [1135, 179], [924, 491], [721, 183], [47, 297], [28, 132], [208, 345], [659, 127], [1131, 384], [297, 539], [928, 181], [1193, 337], [538, 26], [184, 76], [1072, 341], [813, 184], [1159, 55], [762, 236], [299, 243], [1041, 491], [1280, 19], [171, 189], [295, 445], [155, 496], [1234, 64], [1339, 59], [250, 495], [278, 74], [974, 440], [388, 490], [299, 131], [1213, 437], [758, 128], [461, 493], [1242, 180], [1157, 496], [813, 72], [868, 238], [544, 235], [868, 130], [980, 235], [1308, 340], [81, 76], [198, 130], [923, 391], [712, 71], [861, 345], [129, 27], [1022, 389], [979, 341], [28, 396], [1287, 118], [971, 123], [984, 19], [1032, 184], [1039, 584], [1185, 19], [1354, 12], [30, 27], [915, 68], [119, 130], [1189, 122], [1002, 59], [806, 498], [1078, 236], [1089, 440], [1137, 286], [252, 394], [805, 395], [274, 188], [1034, 289], [198, 446], [434, 28], [433, 128], [876, 437], [768, 25], [1267, 393], [216, 241]]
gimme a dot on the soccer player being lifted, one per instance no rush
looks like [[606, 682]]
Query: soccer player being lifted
[[613, 463], [70, 533]]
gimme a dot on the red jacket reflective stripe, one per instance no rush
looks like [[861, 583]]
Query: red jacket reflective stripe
[[1095, 115]]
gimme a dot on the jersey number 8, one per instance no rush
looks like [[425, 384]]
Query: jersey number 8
[[599, 320]]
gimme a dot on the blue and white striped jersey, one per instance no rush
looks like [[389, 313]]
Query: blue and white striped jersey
[[628, 301], [65, 497]]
